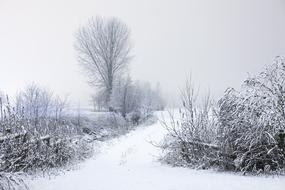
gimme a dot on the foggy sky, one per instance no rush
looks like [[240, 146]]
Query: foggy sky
[[219, 42]]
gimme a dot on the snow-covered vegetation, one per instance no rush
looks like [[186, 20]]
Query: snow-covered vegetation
[[243, 132], [130, 161], [36, 134], [40, 133], [38, 130]]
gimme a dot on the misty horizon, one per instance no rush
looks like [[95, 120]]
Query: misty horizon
[[219, 43]]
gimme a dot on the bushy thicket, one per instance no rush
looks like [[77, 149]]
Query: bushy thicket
[[243, 132], [12, 182], [105, 125], [191, 131], [36, 135], [251, 119]]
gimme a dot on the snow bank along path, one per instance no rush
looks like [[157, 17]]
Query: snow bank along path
[[130, 163]]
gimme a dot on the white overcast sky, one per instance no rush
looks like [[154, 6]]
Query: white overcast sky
[[218, 41]]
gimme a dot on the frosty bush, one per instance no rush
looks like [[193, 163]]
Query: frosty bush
[[12, 182], [250, 119], [244, 133], [191, 132], [39, 137], [41, 108], [134, 117]]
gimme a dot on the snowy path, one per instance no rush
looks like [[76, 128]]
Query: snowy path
[[129, 163]]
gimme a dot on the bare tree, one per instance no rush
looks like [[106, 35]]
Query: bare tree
[[103, 47]]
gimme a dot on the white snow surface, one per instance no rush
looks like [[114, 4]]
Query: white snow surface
[[130, 163]]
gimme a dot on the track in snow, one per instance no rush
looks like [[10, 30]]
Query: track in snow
[[129, 163]]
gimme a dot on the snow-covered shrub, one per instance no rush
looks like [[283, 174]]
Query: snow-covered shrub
[[83, 148], [41, 107], [250, 119], [101, 125], [25, 153], [112, 120], [134, 117], [104, 125], [192, 132], [244, 133], [12, 182], [29, 146], [116, 124]]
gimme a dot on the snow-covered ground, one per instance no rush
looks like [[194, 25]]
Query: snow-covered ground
[[130, 163]]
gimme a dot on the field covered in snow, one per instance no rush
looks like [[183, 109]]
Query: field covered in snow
[[130, 162]]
